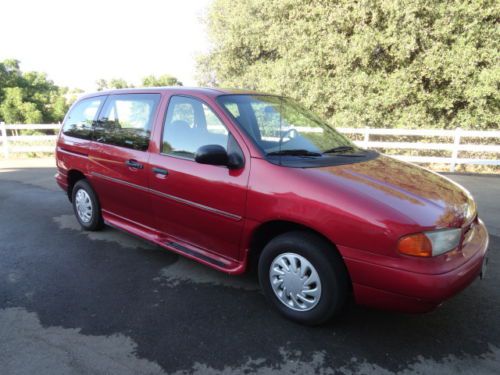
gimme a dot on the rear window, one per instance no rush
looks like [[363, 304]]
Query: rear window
[[79, 120]]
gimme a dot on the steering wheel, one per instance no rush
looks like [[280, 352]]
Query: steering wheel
[[291, 133]]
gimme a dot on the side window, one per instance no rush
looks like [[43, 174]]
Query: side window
[[126, 120], [190, 124], [79, 121], [233, 108]]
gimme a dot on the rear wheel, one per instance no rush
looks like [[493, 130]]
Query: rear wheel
[[86, 206], [304, 277]]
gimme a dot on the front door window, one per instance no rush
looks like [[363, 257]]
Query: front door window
[[190, 124]]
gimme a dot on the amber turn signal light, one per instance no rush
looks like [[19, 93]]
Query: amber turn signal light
[[416, 245]]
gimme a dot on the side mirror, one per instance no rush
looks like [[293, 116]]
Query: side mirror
[[217, 155], [235, 161], [211, 154]]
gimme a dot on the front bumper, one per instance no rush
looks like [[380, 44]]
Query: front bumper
[[388, 286]]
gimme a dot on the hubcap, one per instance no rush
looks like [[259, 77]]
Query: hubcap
[[83, 206], [295, 281]]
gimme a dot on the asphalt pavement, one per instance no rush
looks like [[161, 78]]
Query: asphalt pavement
[[74, 302]]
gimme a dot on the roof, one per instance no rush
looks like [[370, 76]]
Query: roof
[[179, 89]]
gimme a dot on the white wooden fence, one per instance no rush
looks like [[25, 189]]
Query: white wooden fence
[[9, 140], [457, 135]]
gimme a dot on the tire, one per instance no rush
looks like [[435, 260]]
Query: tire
[[320, 261], [83, 194]]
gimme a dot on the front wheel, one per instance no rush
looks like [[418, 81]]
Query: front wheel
[[86, 206], [304, 277]]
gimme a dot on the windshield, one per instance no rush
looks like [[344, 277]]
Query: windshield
[[280, 126]]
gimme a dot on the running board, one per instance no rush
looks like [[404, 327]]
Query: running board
[[196, 254], [200, 255], [205, 257]]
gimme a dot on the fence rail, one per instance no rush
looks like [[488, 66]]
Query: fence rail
[[457, 135], [9, 138]]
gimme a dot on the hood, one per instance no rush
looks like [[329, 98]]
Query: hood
[[424, 197]]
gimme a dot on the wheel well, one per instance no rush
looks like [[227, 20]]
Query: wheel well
[[267, 231], [73, 177]]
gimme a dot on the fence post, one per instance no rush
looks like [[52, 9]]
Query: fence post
[[366, 137], [5, 146], [454, 153]]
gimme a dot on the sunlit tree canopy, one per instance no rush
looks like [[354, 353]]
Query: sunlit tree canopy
[[376, 63]]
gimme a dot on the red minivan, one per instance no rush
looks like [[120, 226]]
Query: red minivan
[[235, 179]]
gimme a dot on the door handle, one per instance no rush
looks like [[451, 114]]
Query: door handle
[[161, 171], [134, 164]]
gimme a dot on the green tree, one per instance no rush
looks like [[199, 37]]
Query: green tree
[[378, 63], [10, 75], [163, 80], [15, 110], [114, 83], [101, 84], [118, 83], [29, 97]]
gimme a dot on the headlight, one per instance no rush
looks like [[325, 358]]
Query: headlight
[[429, 244]]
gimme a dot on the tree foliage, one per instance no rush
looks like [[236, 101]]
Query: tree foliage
[[163, 80], [148, 81], [29, 97], [114, 83], [377, 63]]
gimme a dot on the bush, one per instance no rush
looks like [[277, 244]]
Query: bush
[[375, 63]]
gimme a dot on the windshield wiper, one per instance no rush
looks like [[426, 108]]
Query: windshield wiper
[[294, 152], [343, 151], [338, 149]]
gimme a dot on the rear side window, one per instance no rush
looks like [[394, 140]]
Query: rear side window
[[79, 121], [126, 120]]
